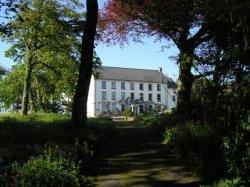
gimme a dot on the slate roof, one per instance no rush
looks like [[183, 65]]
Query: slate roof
[[135, 75]]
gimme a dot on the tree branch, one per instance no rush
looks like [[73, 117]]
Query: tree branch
[[199, 37], [208, 73], [51, 68]]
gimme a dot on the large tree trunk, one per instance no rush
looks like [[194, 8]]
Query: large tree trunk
[[79, 110], [185, 82], [27, 84], [32, 102]]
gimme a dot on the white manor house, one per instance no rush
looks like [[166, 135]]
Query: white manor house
[[113, 89]]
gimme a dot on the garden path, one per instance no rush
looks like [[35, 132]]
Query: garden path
[[135, 157]]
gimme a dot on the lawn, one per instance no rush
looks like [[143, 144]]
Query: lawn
[[42, 143]]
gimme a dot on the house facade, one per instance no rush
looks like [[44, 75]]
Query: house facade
[[113, 89]]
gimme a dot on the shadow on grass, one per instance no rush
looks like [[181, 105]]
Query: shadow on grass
[[135, 157]]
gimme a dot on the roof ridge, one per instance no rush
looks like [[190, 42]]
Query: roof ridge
[[131, 68]]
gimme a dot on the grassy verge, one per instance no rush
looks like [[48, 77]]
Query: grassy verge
[[48, 143]]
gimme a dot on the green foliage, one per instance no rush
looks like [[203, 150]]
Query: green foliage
[[2, 72], [237, 152], [11, 87], [235, 182], [23, 137], [127, 113], [33, 119], [100, 127], [48, 169], [149, 120], [42, 34], [198, 145]]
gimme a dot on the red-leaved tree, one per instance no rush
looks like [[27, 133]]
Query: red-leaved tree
[[185, 22]]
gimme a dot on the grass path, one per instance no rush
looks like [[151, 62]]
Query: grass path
[[134, 157]]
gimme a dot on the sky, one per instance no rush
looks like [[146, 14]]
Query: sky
[[146, 55]]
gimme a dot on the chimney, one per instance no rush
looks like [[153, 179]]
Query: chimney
[[160, 70]]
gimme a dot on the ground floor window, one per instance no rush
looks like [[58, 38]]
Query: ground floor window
[[159, 108], [104, 108], [113, 107], [122, 107], [141, 108], [150, 108]]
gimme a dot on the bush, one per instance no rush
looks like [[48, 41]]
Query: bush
[[198, 146], [149, 120], [49, 169], [127, 113], [229, 183], [99, 129], [33, 118], [23, 137], [236, 148]]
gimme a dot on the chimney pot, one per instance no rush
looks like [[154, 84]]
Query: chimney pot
[[160, 69]]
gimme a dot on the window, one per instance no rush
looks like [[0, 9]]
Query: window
[[174, 99], [104, 86], [150, 87], [132, 86], [113, 107], [113, 86], [104, 95], [132, 96], [122, 85], [141, 108], [150, 97], [159, 108], [123, 107], [122, 96], [141, 86], [158, 97], [113, 96], [141, 97], [104, 108], [150, 108], [158, 87]]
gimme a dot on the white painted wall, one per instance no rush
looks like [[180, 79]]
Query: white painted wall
[[171, 103], [96, 104], [91, 98]]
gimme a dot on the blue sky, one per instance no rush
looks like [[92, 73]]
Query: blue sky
[[146, 55]]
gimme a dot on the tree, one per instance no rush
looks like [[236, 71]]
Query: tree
[[79, 110], [11, 88], [40, 35], [182, 21], [2, 71]]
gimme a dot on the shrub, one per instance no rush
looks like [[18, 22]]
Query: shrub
[[33, 118], [236, 182], [236, 148], [127, 113], [49, 169], [167, 120], [198, 146], [100, 128], [148, 120], [23, 137]]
